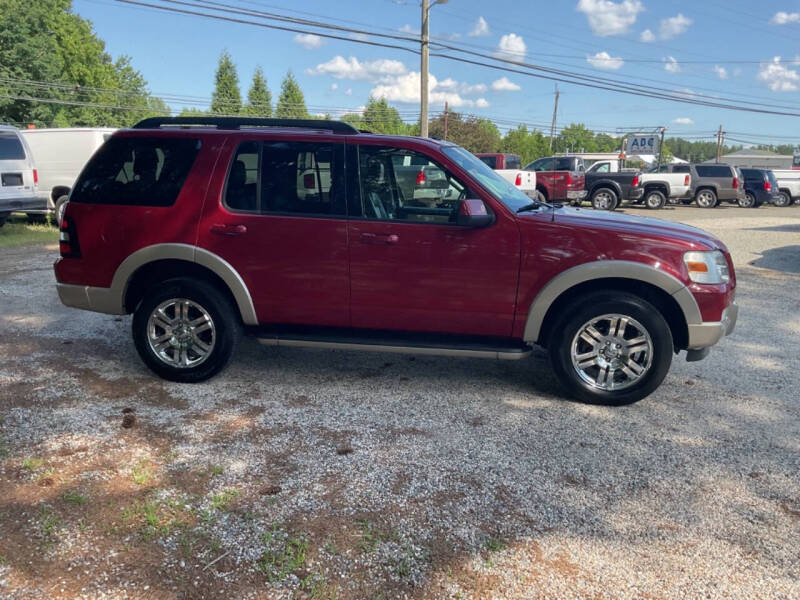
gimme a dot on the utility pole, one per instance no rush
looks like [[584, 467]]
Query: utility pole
[[661, 147], [719, 142], [423, 65], [553, 124], [445, 120]]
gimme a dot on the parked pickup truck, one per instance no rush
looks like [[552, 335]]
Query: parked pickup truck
[[660, 185], [788, 187], [559, 179], [508, 167]]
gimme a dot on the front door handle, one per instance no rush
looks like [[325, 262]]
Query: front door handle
[[227, 230], [378, 238]]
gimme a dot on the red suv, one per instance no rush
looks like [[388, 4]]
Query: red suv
[[309, 233]]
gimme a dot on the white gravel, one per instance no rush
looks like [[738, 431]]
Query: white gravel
[[466, 478]]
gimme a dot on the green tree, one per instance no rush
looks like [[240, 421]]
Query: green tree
[[473, 133], [54, 70], [529, 145], [226, 99], [291, 102], [576, 137], [379, 117], [259, 98]]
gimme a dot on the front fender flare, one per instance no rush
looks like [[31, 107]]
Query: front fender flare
[[607, 269]]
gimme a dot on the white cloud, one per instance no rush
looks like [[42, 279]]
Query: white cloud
[[721, 72], [409, 29], [351, 68], [334, 86], [671, 65], [603, 60], [647, 36], [348, 92], [480, 29], [610, 18], [784, 18], [511, 47], [361, 37], [674, 26], [309, 41], [451, 85], [778, 77], [504, 84], [682, 121], [405, 88]]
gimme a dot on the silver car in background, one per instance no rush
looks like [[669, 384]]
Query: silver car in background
[[18, 176]]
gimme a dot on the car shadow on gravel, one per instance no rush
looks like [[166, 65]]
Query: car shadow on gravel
[[785, 259]]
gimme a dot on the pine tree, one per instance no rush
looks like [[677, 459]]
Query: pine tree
[[259, 98], [227, 99], [291, 103]]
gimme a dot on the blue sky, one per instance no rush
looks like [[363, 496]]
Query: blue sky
[[714, 47]]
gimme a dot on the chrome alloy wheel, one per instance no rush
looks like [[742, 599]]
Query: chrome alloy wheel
[[181, 333], [612, 352], [705, 199], [603, 200]]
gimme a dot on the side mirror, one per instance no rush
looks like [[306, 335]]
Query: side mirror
[[473, 213]]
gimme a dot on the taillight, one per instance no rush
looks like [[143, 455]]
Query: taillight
[[421, 177], [687, 180], [569, 178], [35, 176], [635, 182], [68, 239], [736, 183], [767, 186], [518, 182]]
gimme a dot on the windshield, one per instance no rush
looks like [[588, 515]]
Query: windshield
[[498, 187]]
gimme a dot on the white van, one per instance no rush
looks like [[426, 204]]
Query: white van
[[60, 155], [18, 177]]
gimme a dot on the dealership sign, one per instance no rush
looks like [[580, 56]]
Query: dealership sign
[[642, 144]]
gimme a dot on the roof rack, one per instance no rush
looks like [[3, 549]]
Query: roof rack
[[240, 122]]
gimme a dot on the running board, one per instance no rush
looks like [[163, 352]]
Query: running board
[[469, 350]]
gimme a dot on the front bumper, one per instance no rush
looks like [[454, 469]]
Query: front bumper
[[704, 335], [576, 194]]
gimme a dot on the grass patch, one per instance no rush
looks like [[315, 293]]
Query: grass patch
[[494, 545], [142, 473], [222, 500], [284, 555], [154, 519], [215, 470], [48, 521], [371, 536], [18, 232], [75, 498], [31, 463]]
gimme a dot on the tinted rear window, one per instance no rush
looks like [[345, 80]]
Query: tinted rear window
[[681, 169], [513, 162], [491, 161], [137, 171], [566, 164], [10, 147], [752, 174], [713, 171]]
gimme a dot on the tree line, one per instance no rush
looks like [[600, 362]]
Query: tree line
[[55, 72]]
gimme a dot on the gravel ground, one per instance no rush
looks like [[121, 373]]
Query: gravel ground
[[321, 474]]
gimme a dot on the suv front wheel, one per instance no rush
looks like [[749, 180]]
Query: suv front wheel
[[185, 330], [610, 348]]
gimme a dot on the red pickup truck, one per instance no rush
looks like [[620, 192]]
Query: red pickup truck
[[559, 178]]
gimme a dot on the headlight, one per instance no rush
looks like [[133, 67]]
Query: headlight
[[707, 267]]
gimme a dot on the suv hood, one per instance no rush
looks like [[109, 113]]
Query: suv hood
[[645, 226]]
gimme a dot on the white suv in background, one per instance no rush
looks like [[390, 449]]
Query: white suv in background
[[18, 176]]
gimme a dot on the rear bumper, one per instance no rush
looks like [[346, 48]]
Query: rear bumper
[[704, 335], [576, 194], [87, 297], [635, 193], [27, 203]]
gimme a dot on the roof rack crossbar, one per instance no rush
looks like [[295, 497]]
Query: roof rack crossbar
[[239, 122]]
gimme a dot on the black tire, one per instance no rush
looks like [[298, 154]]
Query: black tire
[[654, 199], [59, 211], [687, 201], [706, 198], [572, 320], [604, 199], [749, 201], [783, 200], [227, 329]]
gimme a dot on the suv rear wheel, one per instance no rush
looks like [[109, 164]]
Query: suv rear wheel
[[611, 348], [706, 198], [604, 199], [185, 330]]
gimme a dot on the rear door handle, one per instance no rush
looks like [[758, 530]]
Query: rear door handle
[[378, 238], [228, 230]]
